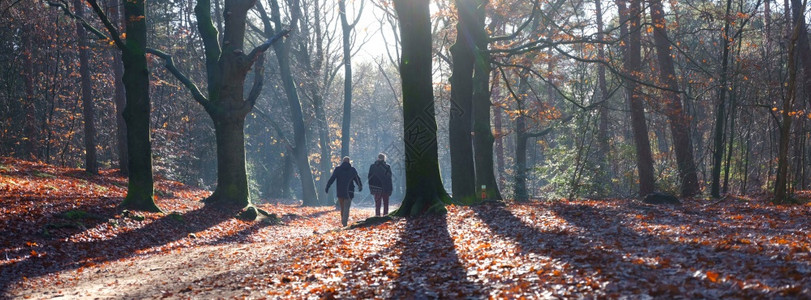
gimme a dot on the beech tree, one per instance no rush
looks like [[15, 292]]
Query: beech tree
[[463, 176], [136, 84], [424, 190], [227, 65]]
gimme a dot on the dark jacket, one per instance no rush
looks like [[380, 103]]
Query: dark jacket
[[379, 178], [346, 176]]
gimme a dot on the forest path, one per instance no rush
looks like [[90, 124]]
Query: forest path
[[179, 271]]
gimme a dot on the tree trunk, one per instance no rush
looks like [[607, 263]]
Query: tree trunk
[[319, 103], [482, 132], [90, 161], [300, 150], [287, 175], [463, 180], [309, 196], [346, 134], [120, 99], [30, 145], [781, 180], [326, 150], [720, 114], [804, 52], [730, 146], [498, 126], [633, 58], [678, 121], [232, 179], [604, 174], [424, 190], [521, 138], [136, 112]]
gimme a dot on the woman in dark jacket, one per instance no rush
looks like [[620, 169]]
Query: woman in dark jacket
[[380, 186], [346, 176]]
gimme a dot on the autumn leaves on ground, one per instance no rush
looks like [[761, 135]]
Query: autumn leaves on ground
[[64, 236]]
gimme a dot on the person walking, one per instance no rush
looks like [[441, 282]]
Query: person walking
[[380, 186], [347, 176]]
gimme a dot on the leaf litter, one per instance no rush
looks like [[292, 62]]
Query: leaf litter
[[64, 236]]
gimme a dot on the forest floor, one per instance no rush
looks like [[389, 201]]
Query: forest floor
[[62, 236]]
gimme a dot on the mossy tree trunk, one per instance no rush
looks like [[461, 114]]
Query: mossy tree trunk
[[463, 179], [136, 85], [232, 178], [227, 66], [424, 190], [138, 107]]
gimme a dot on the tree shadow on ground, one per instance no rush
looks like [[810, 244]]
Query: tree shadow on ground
[[61, 256], [314, 215], [429, 264], [602, 246], [740, 219], [28, 226]]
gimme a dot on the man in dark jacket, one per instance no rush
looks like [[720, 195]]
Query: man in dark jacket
[[380, 186], [346, 176]]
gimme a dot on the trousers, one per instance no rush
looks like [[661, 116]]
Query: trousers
[[345, 203], [382, 197]]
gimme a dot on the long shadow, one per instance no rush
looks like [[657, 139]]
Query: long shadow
[[601, 244], [739, 219], [46, 209], [429, 264], [318, 214], [61, 255], [737, 263]]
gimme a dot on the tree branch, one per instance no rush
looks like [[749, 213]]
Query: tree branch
[[64, 7], [170, 65], [259, 50], [535, 8], [114, 33], [258, 82], [211, 41]]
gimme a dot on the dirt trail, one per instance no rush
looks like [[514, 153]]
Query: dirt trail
[[179, 273]]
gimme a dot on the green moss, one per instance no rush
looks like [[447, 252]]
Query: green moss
[[139, 199], [128, 214], [43, 175], [371, 221], [46, 230], [74, 215], [248, 214], [176, 216], [271, 219]]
